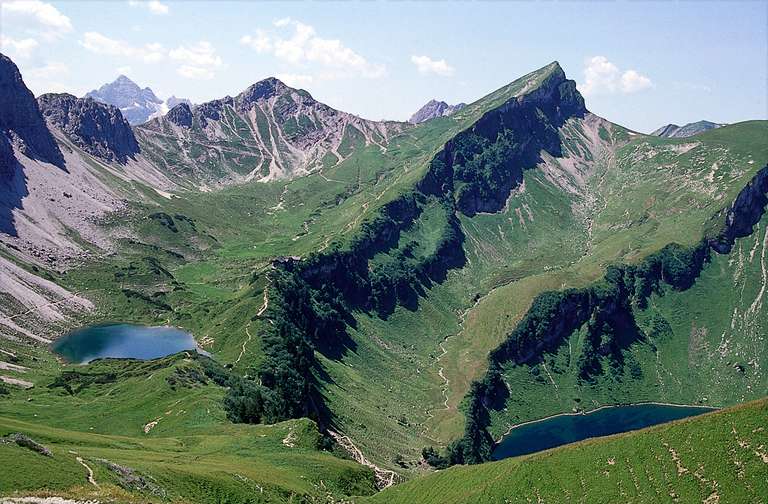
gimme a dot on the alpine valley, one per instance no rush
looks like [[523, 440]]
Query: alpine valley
[[376, 304]]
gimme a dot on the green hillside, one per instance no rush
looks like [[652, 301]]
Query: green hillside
[[717, 457], [162, 424], [430, 285]]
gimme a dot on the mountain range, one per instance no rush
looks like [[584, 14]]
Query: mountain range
[[136, 104], [434, 108], [377, 300], [690, 129]]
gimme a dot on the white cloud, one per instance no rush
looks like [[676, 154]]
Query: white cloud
[[20, 48], [632, 82], [426, 65], [101, 44], [199, 61], [603, 77], [259, 42], [49, 70], [282, 22], [46, 78], [123, 70], [304, 47], [39, 17], [296, 80], [153, 6]]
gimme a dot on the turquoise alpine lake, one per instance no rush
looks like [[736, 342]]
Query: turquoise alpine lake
[[122, 341], [568, 428]]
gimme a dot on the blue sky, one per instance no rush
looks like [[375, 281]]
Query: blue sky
[[641, 64]]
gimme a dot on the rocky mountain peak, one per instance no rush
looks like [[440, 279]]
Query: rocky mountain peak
[[180, 115], [21, 123], [262, 90], [136, 104], [124, 81], [97, 128], [434, 108], [269, 130], [690, 129], [172, 101]]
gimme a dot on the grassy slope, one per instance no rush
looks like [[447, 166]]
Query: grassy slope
[[192, 452], [386, 392], [638, 208], [676, 210], [217, 287], [717, 457]]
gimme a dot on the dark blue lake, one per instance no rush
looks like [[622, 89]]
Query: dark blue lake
[[122, 341], [560, 430]]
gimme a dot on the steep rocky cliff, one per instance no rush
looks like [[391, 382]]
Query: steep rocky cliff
[[607, 313], [744, 213], [180, 115], [97, 128], [21, 124]]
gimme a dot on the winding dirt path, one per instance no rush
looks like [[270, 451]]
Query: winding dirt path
[[446, 382], [89, 475], [384, 477], [443, 351], [248, 325]]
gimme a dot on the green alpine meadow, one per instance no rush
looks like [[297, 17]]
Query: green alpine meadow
[[259, 298]]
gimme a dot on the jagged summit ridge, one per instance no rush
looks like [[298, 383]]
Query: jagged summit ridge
[[136, 104], [173, 100], [97, 128], [434, 108], [268, 131], [690, 129]]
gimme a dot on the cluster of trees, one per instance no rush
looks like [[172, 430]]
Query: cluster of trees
[[311, 304], [312, 300], [485, 162], [476, 445], [488, 168]]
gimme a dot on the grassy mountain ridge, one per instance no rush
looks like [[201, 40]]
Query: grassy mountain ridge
[[610, 329], [172, 434], [600, 241], [717, 457]]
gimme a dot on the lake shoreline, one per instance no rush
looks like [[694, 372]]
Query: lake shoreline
[[600, 408], [122, 341]]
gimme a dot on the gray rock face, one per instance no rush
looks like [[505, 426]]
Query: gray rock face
[[744, 213], [666, 131], [21, 123], [262, 90], [180, 115], [690, 129], [137, 105], [97, 128], [433, 109]]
